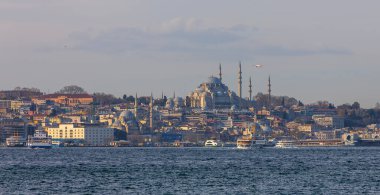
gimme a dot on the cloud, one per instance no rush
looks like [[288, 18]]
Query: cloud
[[190, 37]]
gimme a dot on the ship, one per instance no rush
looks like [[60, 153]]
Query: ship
[[262, 143], [368, 142], [286, 144], [244, 142], [212, 143], [40, 139], [15, 141]]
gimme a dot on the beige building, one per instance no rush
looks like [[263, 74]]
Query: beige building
[[325, 135], [308, 128], [92, 135], [329, 121], [66, 99], [10, 104]]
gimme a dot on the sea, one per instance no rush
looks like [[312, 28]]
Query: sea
[[190, 171]]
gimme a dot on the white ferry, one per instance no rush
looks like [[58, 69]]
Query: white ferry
[[244, 142], [40, 140], [211, 143], [286, 144]]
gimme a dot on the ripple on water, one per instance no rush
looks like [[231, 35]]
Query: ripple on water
[[190, 170]]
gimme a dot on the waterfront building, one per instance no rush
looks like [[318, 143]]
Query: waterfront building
[[12, 127], [91, 135]]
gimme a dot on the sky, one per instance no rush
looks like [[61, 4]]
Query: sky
[[313, 50]]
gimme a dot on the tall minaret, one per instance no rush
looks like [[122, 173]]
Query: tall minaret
[[151, 113], [250, 89], [240, 85], [220, 72], [136, 106], [269, 93]]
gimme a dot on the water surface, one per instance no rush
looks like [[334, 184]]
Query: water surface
[[190, 171]]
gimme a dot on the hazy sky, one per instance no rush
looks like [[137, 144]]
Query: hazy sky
[[313, 50]]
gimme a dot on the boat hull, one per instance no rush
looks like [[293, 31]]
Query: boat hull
[[40, 146]]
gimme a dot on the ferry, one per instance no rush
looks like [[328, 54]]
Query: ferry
[[211, 143], [286, 144], [244, 142], [262, 143], [15, 141], [40, 140]]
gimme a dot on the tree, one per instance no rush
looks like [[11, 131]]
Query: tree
[[72, 89], [283, 102], [130, 99], [331, 106], [105, 99], [32, 89], [165, 100], [124, 97], [33, 107], [53, 113], [188, 102]]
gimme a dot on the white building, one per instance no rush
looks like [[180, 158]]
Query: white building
[[92, 135]]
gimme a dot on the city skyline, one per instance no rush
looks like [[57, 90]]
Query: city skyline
[[132, 46]]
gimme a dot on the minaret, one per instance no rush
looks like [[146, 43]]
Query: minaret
[[250, 89], [269, 93], [136, 106], [220, 72], [151, 113], [240, 84]]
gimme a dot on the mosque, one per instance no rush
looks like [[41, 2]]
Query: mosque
[[213, 94]]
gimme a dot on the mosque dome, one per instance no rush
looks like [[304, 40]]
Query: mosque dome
[[126, 115], [213, 80]]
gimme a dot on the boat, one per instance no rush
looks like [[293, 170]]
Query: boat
[[286, 144], [40, 140], [56, 143], [211, 143], [15, 141], [244, 142], [262, 143]]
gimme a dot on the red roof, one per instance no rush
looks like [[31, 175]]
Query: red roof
[[66, 95]]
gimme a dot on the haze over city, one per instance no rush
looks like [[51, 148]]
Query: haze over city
[[320, 50]]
